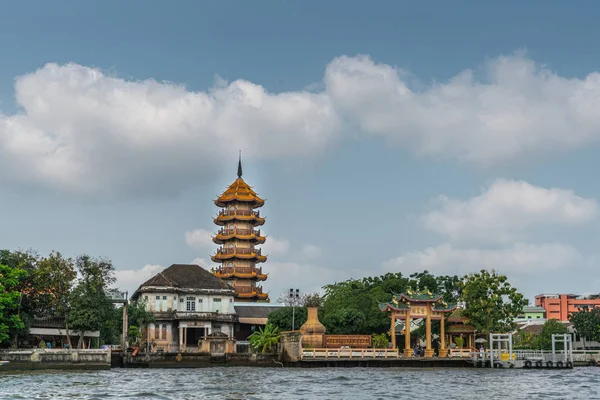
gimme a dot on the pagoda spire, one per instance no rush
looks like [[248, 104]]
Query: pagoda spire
[[240, 165]]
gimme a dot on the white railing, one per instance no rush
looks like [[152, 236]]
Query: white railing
[[348, 353]]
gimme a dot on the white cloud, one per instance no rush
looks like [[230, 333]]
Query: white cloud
[[131, 279], [276, 246], [518, 108], [199, 238], [505, 209], [519, 259], [311, 251], [84, 131], [204, 263]]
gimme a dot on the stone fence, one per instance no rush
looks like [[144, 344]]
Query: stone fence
[[63, 359]]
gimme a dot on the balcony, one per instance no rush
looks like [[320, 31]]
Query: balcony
[[194, 315], [239, 213], [248, 289], [239, 250], [240, 272], [239, 231]]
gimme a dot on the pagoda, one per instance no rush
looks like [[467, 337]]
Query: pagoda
[[238, 254]]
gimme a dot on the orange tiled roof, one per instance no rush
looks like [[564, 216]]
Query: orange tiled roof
[[239, 191]]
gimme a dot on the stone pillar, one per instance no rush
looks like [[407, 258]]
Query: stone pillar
[[393, 329], [407, 349], [428, 349], [180, 338], [443, 350], [125, 323]]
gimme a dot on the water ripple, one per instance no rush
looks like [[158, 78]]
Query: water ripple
[[277, 383]]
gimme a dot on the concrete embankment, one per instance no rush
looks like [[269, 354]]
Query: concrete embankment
[[60, 359], [200, 360]]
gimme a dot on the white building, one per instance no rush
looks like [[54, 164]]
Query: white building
[[193, 310]]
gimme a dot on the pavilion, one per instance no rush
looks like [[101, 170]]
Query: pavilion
[[408, 305]]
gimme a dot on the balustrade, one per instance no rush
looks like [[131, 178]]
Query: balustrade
[[248, 289], [241, 270], [239, 250], [242, 213], [238, 231]]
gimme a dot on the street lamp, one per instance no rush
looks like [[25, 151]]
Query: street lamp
[[293, 298]]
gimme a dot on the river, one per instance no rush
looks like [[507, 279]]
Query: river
[[284, 383]]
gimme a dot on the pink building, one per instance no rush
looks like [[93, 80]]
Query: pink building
[[560, 306]]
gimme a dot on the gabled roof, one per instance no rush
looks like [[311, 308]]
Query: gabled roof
[[186, 276], [252, 311]]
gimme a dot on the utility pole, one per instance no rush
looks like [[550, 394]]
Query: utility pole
[[294, 298]]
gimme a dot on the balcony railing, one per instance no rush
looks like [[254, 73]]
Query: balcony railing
[[248, 289], [239, 231], [239, 250], [194, 315], [240, 270], [242, 213]]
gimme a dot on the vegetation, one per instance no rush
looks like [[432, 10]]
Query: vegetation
[[282, 318], [587, 323], [379, 341], [491, 303], [10, 300], [459, 342], [543, 341], [264, 340]]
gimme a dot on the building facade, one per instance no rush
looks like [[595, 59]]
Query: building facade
[[532, 313], [560, 306], [238, 257], [192, 309]]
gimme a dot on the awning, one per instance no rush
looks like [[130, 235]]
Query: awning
[[253, 321]]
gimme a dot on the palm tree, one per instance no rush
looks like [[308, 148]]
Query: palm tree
[[264, 340]]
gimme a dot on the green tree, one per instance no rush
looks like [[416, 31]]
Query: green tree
[[525, 340], [10, 299], [379, 341], [282, 318], [90, 306], [586, 322], [345, 321], [491, 302], [54, 277], [264, 340], [551, 327]]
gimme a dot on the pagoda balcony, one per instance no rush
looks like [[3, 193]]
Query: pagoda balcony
[[239, 250], [239, 213], [240, 272], [239, 231], [248, 290]]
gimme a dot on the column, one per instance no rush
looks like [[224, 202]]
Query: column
[[180, 338], [428, 349], [393, 329], [443, 350], [407, 349]]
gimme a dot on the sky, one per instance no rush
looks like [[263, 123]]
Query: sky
[[389, 137]]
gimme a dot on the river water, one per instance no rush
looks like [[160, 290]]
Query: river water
[[319, 383]]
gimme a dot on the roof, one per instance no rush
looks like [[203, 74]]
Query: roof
[[460, 328], [532, 309], [188, 276], [254, 321], [457, 316], [255, 311], [239, 190]]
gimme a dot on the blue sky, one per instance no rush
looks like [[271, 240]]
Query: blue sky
[[396, 137]]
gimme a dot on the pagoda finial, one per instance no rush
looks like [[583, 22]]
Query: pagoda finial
[[240, 165]]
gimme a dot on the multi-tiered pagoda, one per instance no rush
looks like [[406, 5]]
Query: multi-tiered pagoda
[[238, 254]]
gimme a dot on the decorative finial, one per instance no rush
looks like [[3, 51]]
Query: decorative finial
[[240, 166]]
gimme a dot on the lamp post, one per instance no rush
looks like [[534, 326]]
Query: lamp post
[[293, 298]]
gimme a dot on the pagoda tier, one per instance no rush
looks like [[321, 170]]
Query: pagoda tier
[[250, 235], [239, 192], [234, 215], [238, 255], [244, 253], [242, 272]]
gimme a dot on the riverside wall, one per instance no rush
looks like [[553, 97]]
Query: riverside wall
[[200, 360], [59, 359]]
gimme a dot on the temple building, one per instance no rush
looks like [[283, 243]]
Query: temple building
[[238, 255]]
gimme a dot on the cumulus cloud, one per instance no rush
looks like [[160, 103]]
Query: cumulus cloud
[[518, 259], [131, 279], [505, 209], [84, 131], [199, 238], [517, 108]]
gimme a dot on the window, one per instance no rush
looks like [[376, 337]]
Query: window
[[164, 332], [190, 304], [157, 304], [216, 328], [164, 303], [216, 305]]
